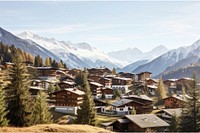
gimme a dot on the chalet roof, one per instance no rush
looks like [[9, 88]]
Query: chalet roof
[[121, 102], [104, 88], [147, 120], [172, 112], [75, 90], [152, 86], [144, 72], [120, 78], [60, 71], [172, 80], [110, 75], [179, 97], [186, 78], [155, 80], [96, 84], [36, 88], [144, 97], [69, 82]]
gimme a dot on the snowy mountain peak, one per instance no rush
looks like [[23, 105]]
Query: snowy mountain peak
[[80, 53]]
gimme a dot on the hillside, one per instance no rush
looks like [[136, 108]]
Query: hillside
[[55, 128], [183, 72], [176, 58]]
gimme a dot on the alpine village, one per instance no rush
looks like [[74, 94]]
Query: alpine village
[[44, 91]]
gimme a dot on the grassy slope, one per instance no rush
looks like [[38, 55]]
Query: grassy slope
[[55, 128]]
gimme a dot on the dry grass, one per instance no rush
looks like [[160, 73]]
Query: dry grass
[[55, 128]]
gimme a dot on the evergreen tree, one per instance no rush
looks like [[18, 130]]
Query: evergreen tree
[[86, 113], [57, 88], [174, 124], [79, 79], [114, 71], [47, 62], [38, 62], [190, 119], [3, 112], [103, 96], [117, 93], [161, 93], [41, 110], [51, 88], [19, 98]]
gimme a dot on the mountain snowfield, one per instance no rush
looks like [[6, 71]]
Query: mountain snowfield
[[88, 56], [172, 59], [132, 55]]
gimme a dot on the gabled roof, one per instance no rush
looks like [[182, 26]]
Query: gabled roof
[[76, 91], [69, 82], [144, 72], [72, 90], [172, 112], [144, 97], [96, 84], [179, 97], [121, 102], [147, 120]]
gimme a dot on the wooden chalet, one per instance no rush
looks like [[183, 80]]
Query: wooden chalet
[[168, 114], [138, 123], [142, 103], [174, 101], [100, 105], [94, 77], [143, 75], [46, 72], [108, 92], [96, 89], [127, 75], [67, 84], [150, 81], [122, 107], [121, 84], [67, 100], [106, 82], [99, 71]]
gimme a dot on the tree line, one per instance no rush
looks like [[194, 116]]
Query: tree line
[[7, 54]]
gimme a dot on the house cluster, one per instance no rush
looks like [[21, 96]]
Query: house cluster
[[134, 106]]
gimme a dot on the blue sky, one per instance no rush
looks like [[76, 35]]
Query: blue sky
[[108, 26]]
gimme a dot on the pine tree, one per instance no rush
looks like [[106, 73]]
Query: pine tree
[[51, 88], [117, 93], [114, 71], [79, 78], [161, 90], [190, 119], [41, 110], [3, 112], [57, 88], [86, 113], [174, 124], [47, 62], [19, 100]]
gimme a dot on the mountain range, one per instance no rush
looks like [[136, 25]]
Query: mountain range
[[159, 60], [172, 60]]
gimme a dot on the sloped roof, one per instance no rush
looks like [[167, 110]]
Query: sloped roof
[[96, 84], [144, 97], [172, 112], [121, 102], [147, 120], [76, 91]]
